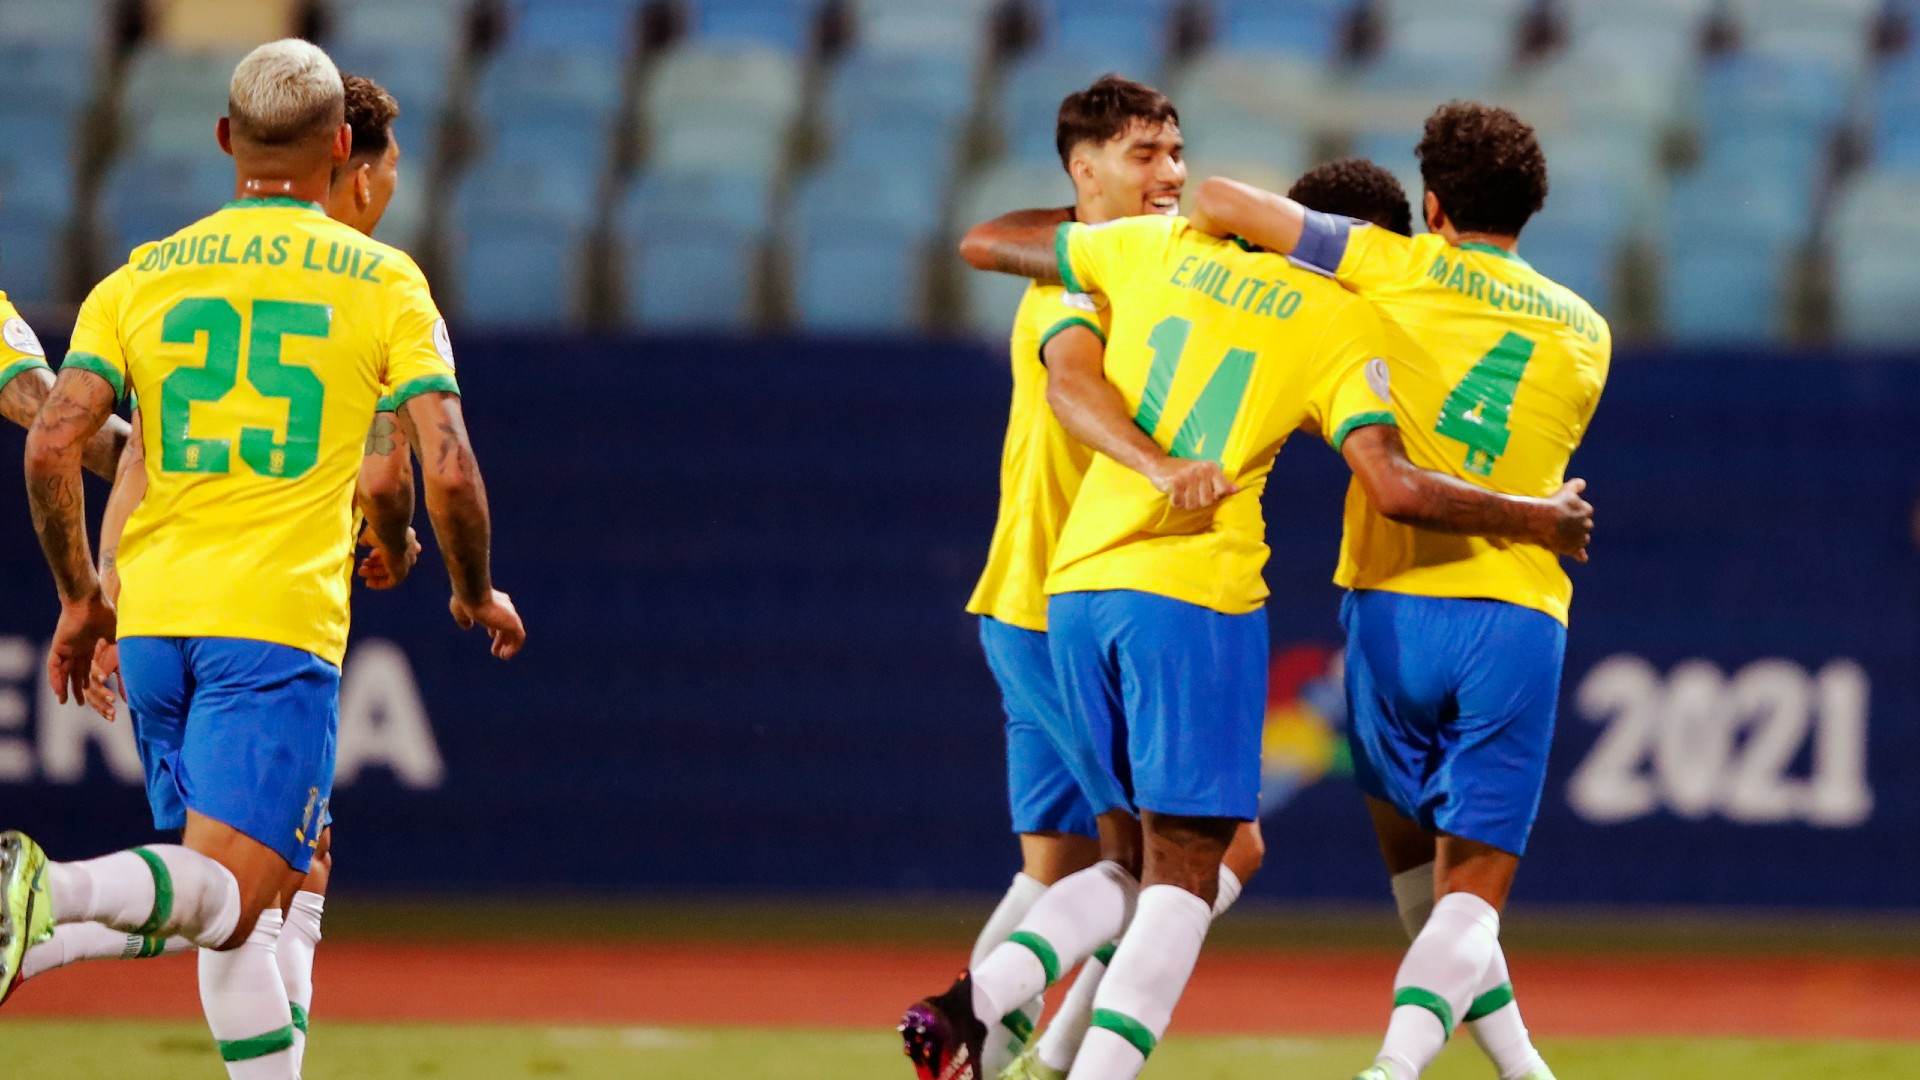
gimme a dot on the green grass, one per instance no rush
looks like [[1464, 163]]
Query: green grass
[[157, 1051]]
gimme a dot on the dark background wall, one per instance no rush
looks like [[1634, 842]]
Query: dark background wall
[[743, 563]]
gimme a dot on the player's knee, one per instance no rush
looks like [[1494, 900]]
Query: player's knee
[[1248, 852], [1186, 852]]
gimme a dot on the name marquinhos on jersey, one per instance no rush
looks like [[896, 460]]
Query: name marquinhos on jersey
[[1523, 298], [1251, 294], [340, 257]]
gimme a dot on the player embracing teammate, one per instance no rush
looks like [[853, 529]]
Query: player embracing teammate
[[233, 611], [1216, 352]]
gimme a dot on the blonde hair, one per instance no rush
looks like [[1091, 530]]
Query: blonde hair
[[285, 92]]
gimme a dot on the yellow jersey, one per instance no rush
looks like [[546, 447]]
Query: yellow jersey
[[1513, 365], [1040, 464], [1220, 353], [19, 348], [258, 340]]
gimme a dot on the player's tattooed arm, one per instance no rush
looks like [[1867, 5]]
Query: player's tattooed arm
[[457, 506], [20, 402], [80, 404], [1224, 207], [1410, 495], [386, 492], [1092, 411], [1020, 243], [129, 489]]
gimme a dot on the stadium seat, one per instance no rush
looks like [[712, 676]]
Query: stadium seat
[[1128, 34], [847, 197], [754, 81], [681, 277], [528, 82], [1311, 28], [723, 140], [32, 252], [869, 280], [209, 24], [1781, 93], [1879, 208], [1793, 158], [1428, 77], [1874, 286], [1837, 31], [516, 268], [46, 77], [938, 87], [52, 137], [1577, 239], [568, 28], [1029, 101], [171, 99], [70, 24], [1894, 110], [922, 27], [1277, 90], [991, 298], [149, 196], [787, 25], [1713, 291], [1479, 32], [426, 24], [532, 176]]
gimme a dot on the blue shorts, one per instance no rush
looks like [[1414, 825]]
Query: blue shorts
[[240, 731], [1042, 792], [1166, 702], [1451, 706]]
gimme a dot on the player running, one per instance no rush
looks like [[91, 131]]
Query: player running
[[234, 612], [1454, 644], [25, 381], [1217, 353], [1120, 143], [360, 193]]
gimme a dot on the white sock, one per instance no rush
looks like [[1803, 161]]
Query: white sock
[[1436, 982], [1135, 1002], [74, 943], [1501, 1033], [298, 940], [159, 890], [1229, 891], [1075, 917], [246, 1006], [1062, 1039]]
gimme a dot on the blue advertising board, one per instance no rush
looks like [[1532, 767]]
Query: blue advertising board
[[742, 565]]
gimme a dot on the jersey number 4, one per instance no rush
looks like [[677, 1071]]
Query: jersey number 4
[[1203, 434], [302, 390], [1476, 411]]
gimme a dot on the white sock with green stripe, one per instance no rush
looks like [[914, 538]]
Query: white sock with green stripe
[[246, 1006], [1436, 983], [1135, 1001], [1006, 1038], [294, 954], [160, 890], [1079, 914], [75, 943], [1062, 1039], [1494, 1016]]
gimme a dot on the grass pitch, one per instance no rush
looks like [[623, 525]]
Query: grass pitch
[[113, 1050]]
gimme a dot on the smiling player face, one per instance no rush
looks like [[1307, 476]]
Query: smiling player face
[[1140, 171]]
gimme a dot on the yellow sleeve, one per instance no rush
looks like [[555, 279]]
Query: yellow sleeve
[[1373, 257], [1353, 387], [1070, 310], [95, 345], [1095, 258], [419, 352], [20, 350]]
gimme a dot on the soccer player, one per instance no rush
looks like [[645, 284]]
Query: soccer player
[[233, 613], [1217, 353], [1454, 644], [25, 381], [360, 193], [1119, 141]]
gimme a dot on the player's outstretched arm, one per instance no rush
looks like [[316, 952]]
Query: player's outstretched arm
[[75, 411], [1224, 207], [1020, 243], [1431, 500], [1092, 411], [20, 402], [386, 496], [129, 490], [457, 506]]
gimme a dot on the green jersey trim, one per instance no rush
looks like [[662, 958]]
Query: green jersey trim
[[1063, 325], [257, 202], [1360, 420], [85, 361], [8, 373], [1062, 256], [1489, 249], [413, 388]]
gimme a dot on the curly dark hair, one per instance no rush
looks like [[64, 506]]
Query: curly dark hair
[[1355, 188], [371, 111], [1105, 110], [1484, 165]]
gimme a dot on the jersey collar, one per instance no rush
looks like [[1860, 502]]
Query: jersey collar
[[255, 201], [1489, 249]]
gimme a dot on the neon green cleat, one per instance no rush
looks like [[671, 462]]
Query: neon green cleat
[[26, 910], [1028, 1066], [1375, 1072]]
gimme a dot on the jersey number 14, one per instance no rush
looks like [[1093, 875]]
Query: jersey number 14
[[1203, 434], [1476, 411]]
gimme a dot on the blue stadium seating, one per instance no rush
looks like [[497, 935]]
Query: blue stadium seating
[[605, 28], [1895, 113], [516, 268], [1311, 28], [1874, 286], [41, 143], [1771, 92], [32, 251], [1455, 33], [525, 172], [844, 197], [1029, 103], [151, 195], [425, 24], [46, 76], [524, 80], [69, 24], [867, 280], [1128, 34], [1837, 31], [783, 24], [1732, 204], [1582, 255], [922, 27], [690, 246], [1726, 291], [992, 298], [892, 108]]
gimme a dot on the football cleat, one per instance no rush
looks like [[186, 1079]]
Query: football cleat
[[26, 910], [943, 1038]]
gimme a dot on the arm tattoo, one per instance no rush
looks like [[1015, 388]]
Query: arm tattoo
[[380, 438], [79, 405], [21, 398], [456, 498]]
